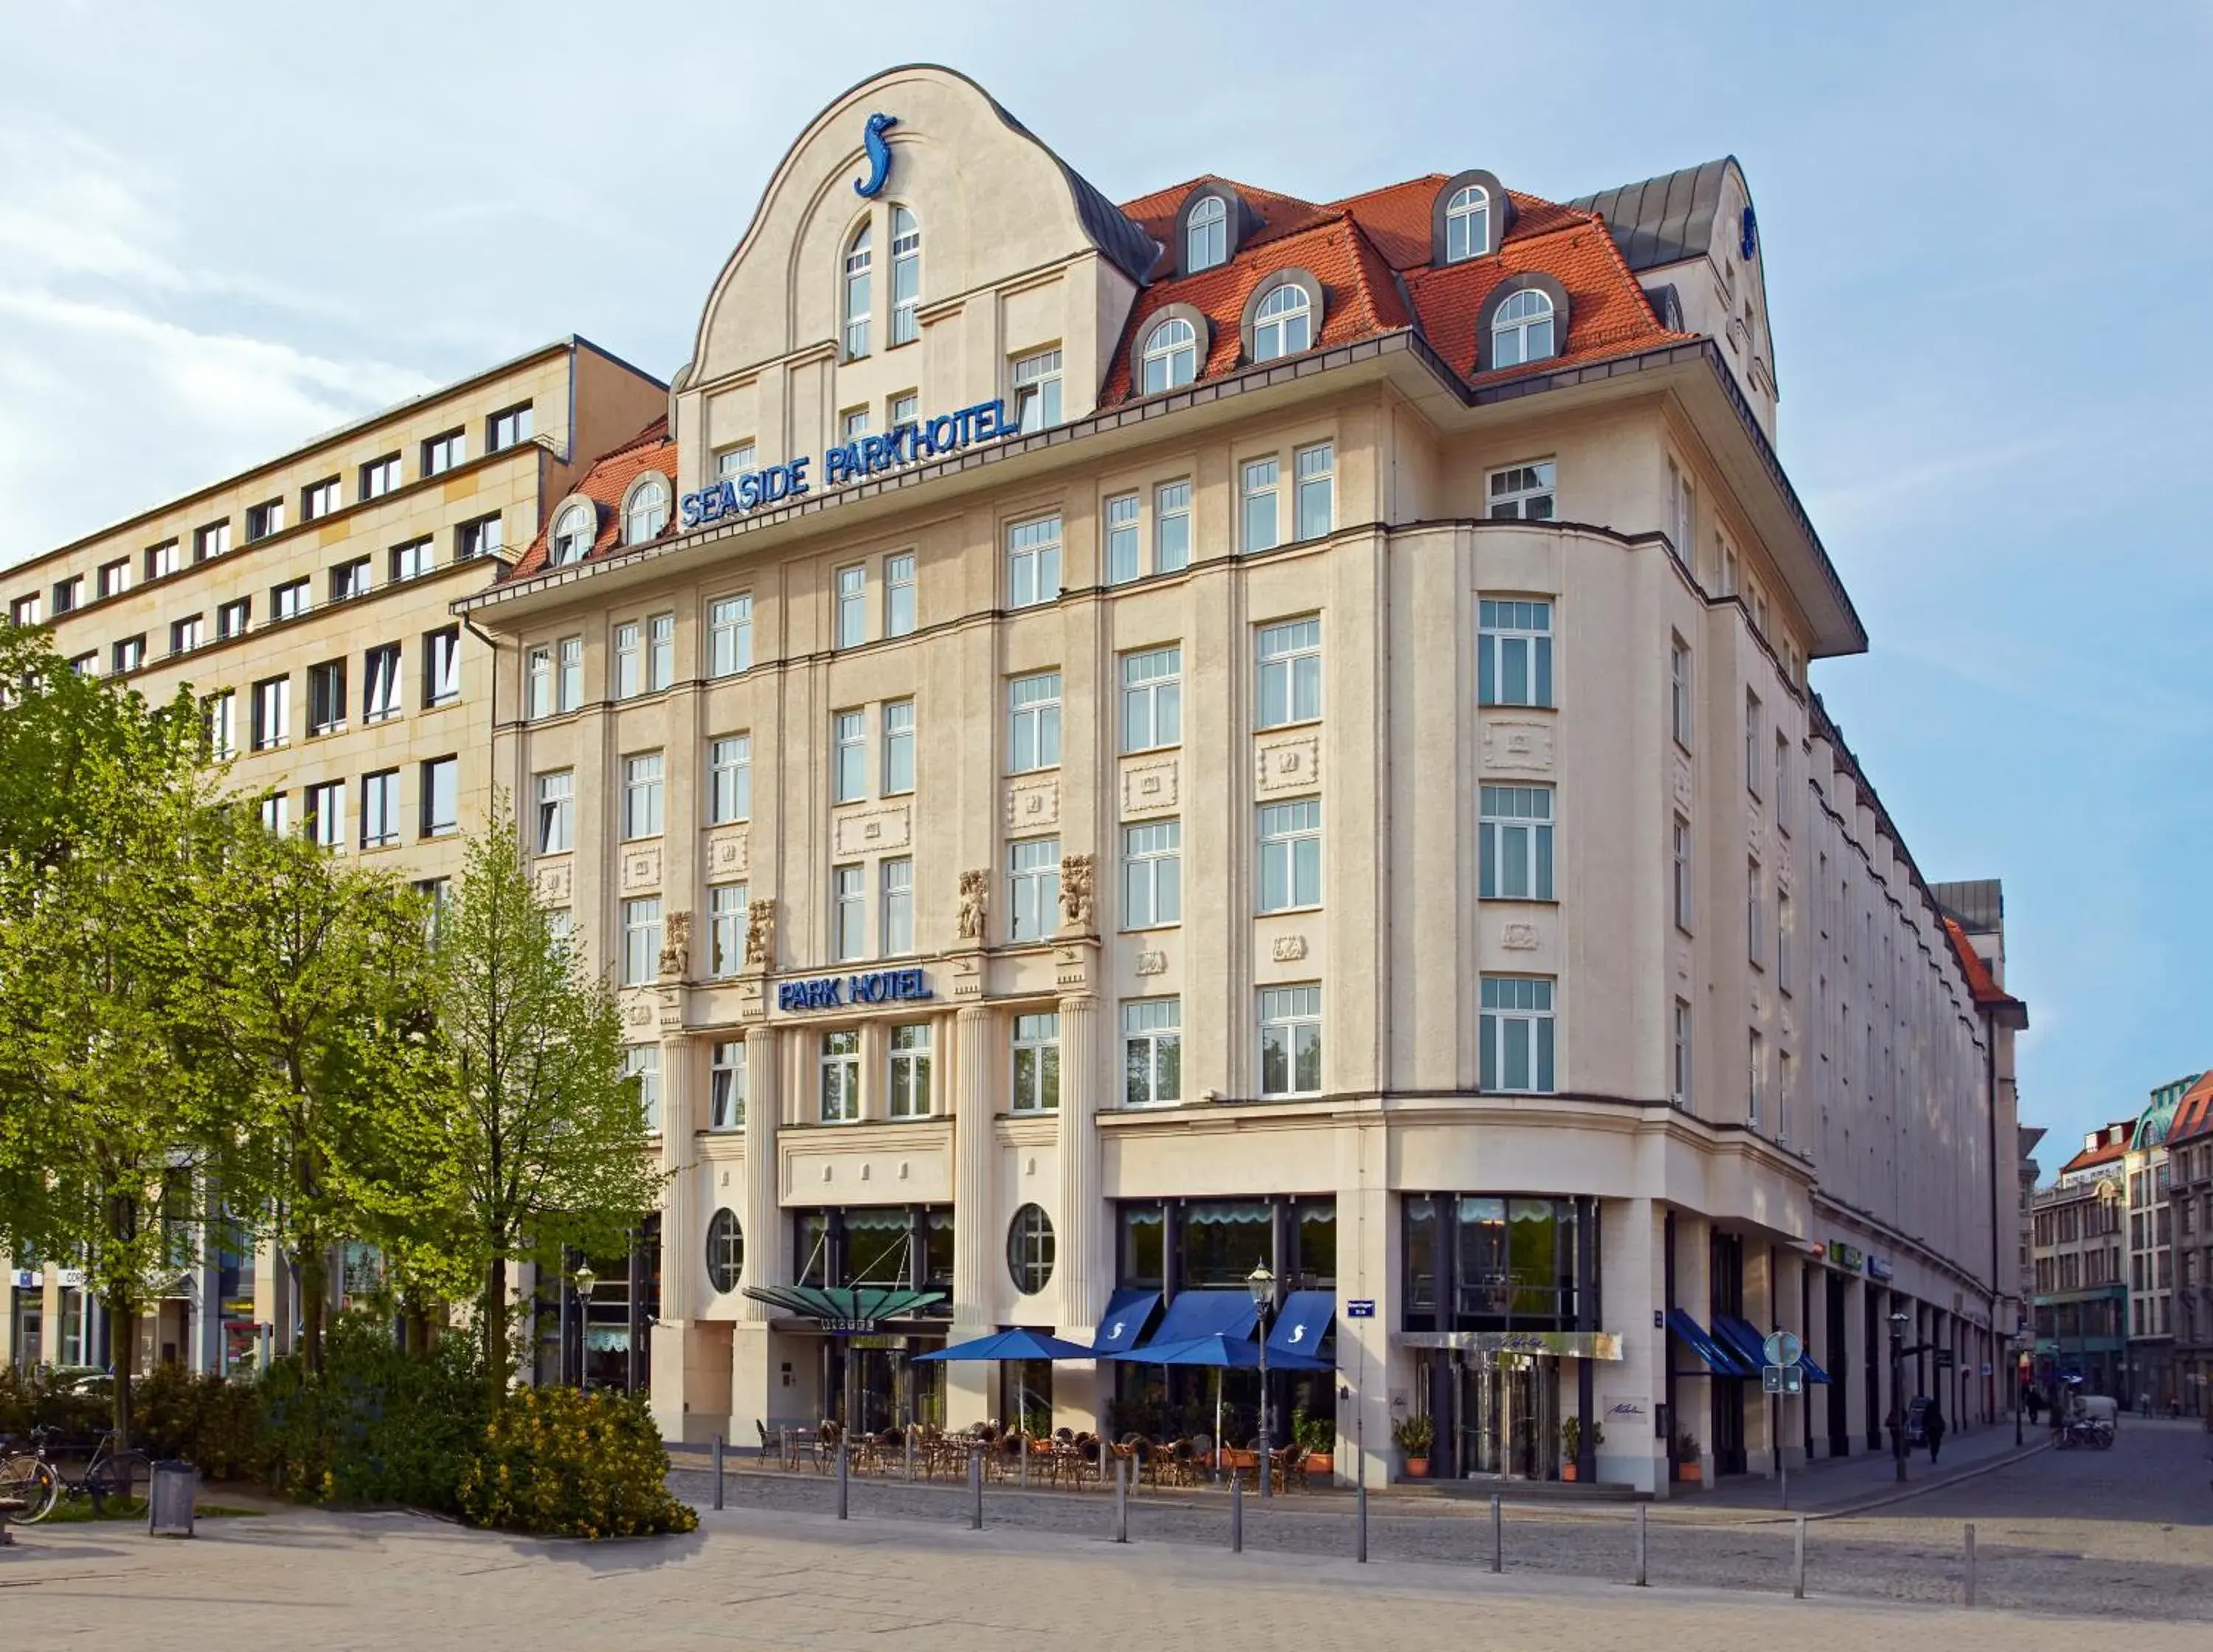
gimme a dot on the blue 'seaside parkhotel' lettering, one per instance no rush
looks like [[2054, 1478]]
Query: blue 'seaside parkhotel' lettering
[[838, 992], [903, 444]]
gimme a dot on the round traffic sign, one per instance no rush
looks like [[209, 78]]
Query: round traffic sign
[[1781, 1348]]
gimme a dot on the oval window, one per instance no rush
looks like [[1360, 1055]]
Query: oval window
[[1030, 1250], [726, 1251]]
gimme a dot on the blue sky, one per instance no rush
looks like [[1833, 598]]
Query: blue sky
[[222, 229]]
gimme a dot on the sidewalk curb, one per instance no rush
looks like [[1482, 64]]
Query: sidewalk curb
[[1923, 1488]]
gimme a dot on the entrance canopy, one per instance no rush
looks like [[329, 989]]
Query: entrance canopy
[[1302, 1325], [845, 1309], [1196, 1314], [1228, 1353], [1718, 1356], [1011, 1345], [1561, 1344]]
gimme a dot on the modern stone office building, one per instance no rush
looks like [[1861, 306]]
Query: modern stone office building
[[307, 602], [1232, 731]]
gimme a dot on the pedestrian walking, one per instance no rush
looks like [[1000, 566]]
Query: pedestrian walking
[[1932, 1429], [2035, 1402]]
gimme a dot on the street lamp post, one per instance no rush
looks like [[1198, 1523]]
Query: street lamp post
[[1262, 1284], [584, 1279], [1897, 1390]]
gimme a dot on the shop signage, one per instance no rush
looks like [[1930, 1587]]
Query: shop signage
[[1845, 1256], [846, 991], [854, 462], [1877, 1268], [1360, 1308], [29, 1279], [834, 1324], [880, 159]]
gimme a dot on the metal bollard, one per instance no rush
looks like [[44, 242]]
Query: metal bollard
[[1359, 1517], [718, 1471], [843, 1483], [976, 1490], [910, 1454], [1971, 1563], [1023, 1445], [1798, 1563], [1121, 1500], [1237, 1513], [1498, 1533], [1640, 1551]]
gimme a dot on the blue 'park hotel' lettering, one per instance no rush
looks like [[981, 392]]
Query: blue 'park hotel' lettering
[[855, 462], [838, 992]]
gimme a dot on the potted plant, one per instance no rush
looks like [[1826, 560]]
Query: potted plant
[[1571, 1443], [1686, 1457], [1318, 1436], [1415, 1436]]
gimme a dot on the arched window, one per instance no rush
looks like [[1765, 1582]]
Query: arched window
[[648, 512], [574, 530], [1171, 358], [726, 1252], [1523, 329], [1467, 224], [858, 257], [1283, 325], [907, 276], [1030, 1250], [1206, 235]]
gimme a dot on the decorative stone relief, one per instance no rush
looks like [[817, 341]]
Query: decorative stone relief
[[1519, 937], [1033, 805], [641, 867], [975, 898], [1292, 764], [1755, 836], [1289, 949], [760, 935], [967, 977], [553, 881], [730, 854], [676, 946], [1517, 745], [1682, 960], [1149, 788], [1152, 963], [1682, 780], [1076, 890], [1783, 867], [869, 831], [638, 1013]]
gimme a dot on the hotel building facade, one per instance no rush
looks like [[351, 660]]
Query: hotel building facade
[[1225, 732], [307, 602]]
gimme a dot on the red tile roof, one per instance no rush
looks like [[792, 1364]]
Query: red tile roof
[[1980, 981], [2106, 1152], [604, 484], [2193, 1114]]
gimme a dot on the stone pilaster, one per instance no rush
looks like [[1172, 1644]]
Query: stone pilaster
[[760, 1215]]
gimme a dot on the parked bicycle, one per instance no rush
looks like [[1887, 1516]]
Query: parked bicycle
[[34, 1482]]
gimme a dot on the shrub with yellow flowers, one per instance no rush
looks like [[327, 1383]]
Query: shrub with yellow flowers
[[564, 1462]]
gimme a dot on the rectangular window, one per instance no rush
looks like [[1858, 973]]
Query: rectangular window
[[643, 1063], [262, 521], [910, 1097], [69, 594], [630, 660], [214, 540], [849, 768], [129, 654], [1036, 1063], [1033, 887], [507, 427], [1516, 843], [1755, 912], [1037, 391], [852, 606], [1033, 722], [854, 423], [1257, 511], [327, 696], [898, 747], [441, 665], [482, 537], [318, 499], [272, 712], [1122, 539], [1170, 528], [324, 819], [642, 795], [1678, 1078], [232, 619], [86, 664], [659, 652], [380, 682], [1034, 562], [641, 954], [726, 1085], [899, 594], [726, 928], [350, 579], [1782, 783], [840, 1066], [1290, 673], [1757, 1079], [569, 688], [379, 477], [557, 804], [734, 460], [380, 809], [1752, 752], [1783, 941], [849, 913], [859, 301], [1290, 1040], [442, 453], [896, 903], [162, 560], [1682, 517], [1678, 692], [1680, 843], [414, 559], [729, 779], [1315, 468], [537, 682], [221, 722], [1516, 1034], [905, 408], [277, 812], [187, 634], [1290, 854], [730, 635], [288, 600], [115, 577], [1513, 652], [1152, 875], [24, 611], [1152, 1052], [1152, 700], [1522, 492], [441, 796]]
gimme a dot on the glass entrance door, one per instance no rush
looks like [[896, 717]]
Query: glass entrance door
[[1504, 1415]]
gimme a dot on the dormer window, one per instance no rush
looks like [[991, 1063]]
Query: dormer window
[[1206, 235], [1522, 329], [1467, 224], [1171, 356], [574, 529], [858, 258], [647, 512], [907, 276], [1284, 325]]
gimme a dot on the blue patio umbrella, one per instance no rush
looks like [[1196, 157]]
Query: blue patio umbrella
[[1012, 1344], [1224, 1353]]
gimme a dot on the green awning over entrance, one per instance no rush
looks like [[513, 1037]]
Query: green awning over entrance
[[848, 1308]]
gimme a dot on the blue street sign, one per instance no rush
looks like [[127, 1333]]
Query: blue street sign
[[1361, 1307]]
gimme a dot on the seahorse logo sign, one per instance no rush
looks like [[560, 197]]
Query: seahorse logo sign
[[879, 156]]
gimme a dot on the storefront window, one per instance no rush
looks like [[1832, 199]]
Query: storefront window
[[1505, 1263], [1315, 1229], [937, 1258], [1222, 1240], [1143, 1240], [1421, 1272], [875, 1247], [813, 1248]]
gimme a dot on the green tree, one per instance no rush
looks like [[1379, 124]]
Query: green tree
[[535, 1133]]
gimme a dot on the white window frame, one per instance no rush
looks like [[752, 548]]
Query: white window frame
[[1313, 472], [1517, 854], [1123, 539], [1283, 325], [899, 728], [1529, 1002], [729, 779], [1152, 875], [1033, 889], [1506, 626], [849, 913], [735, 460], [1290, 835], [1034, 562], [569, 674], [838, 1077], [1681, 1075], [643, 777], [911, 1048], [1259, 503], [730, 634], [1033, 722], [726, 928], [1170, 359], [659, 652], [1753, 725], [641, 942], [1152, 698], [645, 513], [574, 531], [1290, 1024], [856, 301], [900, 613], [907, 276], [849, 756], [1682, 862], [1172, 526], [1524, 329], [1755, 914], [1756, 1055], [850, 584], [895, 905], [1152, 1052], [1036, 379], [1033, 1084], [556, 793], [1467, 224], [630, 660], [643, 1063], [1206, 235], [726, 1085], [1523, 492], [1288, 665], [538, 681], [1679, 691]]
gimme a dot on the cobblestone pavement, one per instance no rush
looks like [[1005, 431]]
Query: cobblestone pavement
[[2126, 1533], [360, 1582]]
